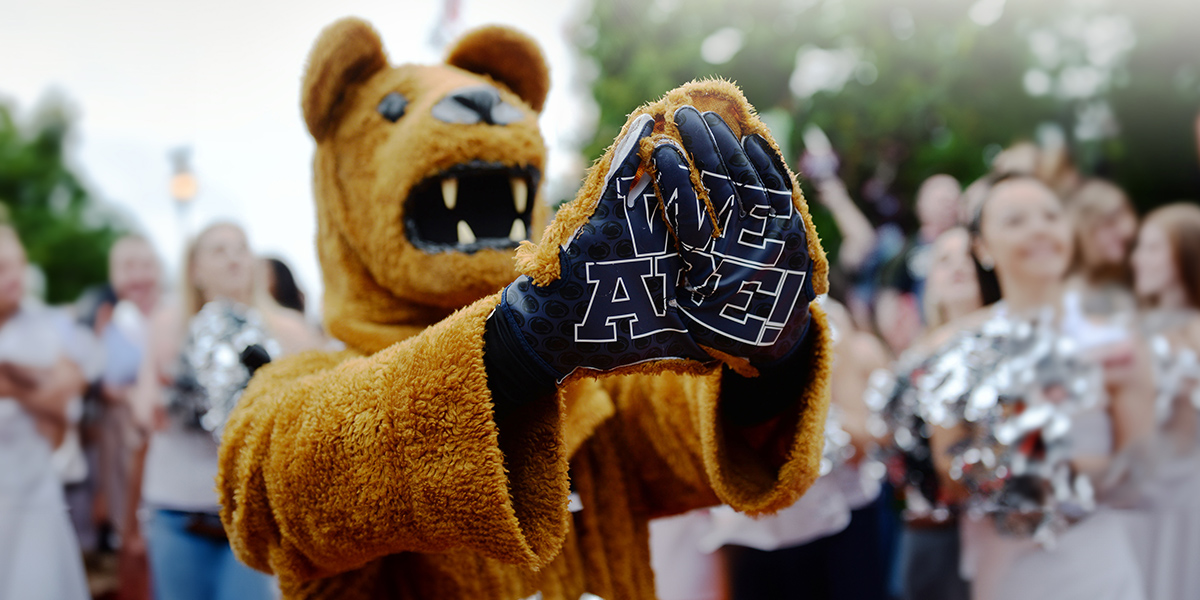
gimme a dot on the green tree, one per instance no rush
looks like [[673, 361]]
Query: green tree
[[66, 231], [927, 86], [1156, 158]]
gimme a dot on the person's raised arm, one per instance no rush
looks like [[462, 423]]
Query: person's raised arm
[[858, 235]]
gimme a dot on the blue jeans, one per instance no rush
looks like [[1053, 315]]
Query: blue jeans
[[190, 566]]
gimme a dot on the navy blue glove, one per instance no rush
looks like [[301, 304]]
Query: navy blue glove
[[733, 277], [745, 250]]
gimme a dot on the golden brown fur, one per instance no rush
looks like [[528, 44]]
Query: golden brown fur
[[381, 471], [378, 288]]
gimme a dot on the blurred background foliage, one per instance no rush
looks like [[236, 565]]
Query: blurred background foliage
[[902, 88], [66, 231], [907, 89]]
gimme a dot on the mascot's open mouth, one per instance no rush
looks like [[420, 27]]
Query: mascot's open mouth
[[471, 206]]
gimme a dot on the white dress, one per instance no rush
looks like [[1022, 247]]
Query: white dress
[[39, 555], [1165, 526], [1170, 547], [1093, 560]]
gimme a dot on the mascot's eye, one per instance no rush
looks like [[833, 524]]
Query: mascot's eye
[[392, 106]]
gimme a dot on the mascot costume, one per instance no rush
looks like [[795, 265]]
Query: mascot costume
[[508, 414]]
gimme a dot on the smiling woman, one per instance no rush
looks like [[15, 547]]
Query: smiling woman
[[1022, 235]]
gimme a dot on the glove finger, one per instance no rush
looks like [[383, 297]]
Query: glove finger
[[625, 161], [743, 177], [686, 212], [699, 143], [771, 171]]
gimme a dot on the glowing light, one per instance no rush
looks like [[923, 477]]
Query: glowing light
[[722, 45], [986, 12]]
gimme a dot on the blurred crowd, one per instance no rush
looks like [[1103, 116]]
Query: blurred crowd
[[101, 382], [1014, 404], [929, 499]]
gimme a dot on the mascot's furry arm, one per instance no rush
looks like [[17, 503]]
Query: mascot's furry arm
[[332, 460], [432, 444]]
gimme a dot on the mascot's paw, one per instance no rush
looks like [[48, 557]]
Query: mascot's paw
[[688, 242]]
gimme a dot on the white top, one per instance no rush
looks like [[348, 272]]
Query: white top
[[858, 485], [39, 556], [822, 511], [181, 470], [37, 337]]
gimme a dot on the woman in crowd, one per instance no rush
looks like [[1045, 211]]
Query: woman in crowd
[[190, 557], [1166, 269], [955, 287], [1105, 227], [1166, 264], [40, 374], [1022, 236], [929, 547]]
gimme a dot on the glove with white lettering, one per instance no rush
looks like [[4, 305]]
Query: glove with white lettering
[[612, 303], [745, 249], [663, 269]]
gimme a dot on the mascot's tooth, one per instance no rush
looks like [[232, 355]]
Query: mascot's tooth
[[517, 233], [450, 193], [520, 194], [465, 235]]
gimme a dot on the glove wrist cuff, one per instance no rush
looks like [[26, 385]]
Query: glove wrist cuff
[[756, 400], [516, 374]]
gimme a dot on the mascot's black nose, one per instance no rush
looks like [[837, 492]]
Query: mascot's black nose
[[476, 103]]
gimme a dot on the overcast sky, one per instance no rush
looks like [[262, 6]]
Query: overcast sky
[[223, 77]]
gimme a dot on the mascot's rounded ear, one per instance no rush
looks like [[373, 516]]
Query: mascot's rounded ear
[[347, 53], [507, 56]]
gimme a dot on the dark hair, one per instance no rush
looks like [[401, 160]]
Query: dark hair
[[283, 286], [975, 224], [1181, 223], [989, 285]]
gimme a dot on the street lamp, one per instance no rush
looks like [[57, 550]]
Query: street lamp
[[183, 184]]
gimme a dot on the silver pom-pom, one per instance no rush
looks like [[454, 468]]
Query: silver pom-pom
[[1177, 375], [210, 375], [1014, 386], [838, 448]]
